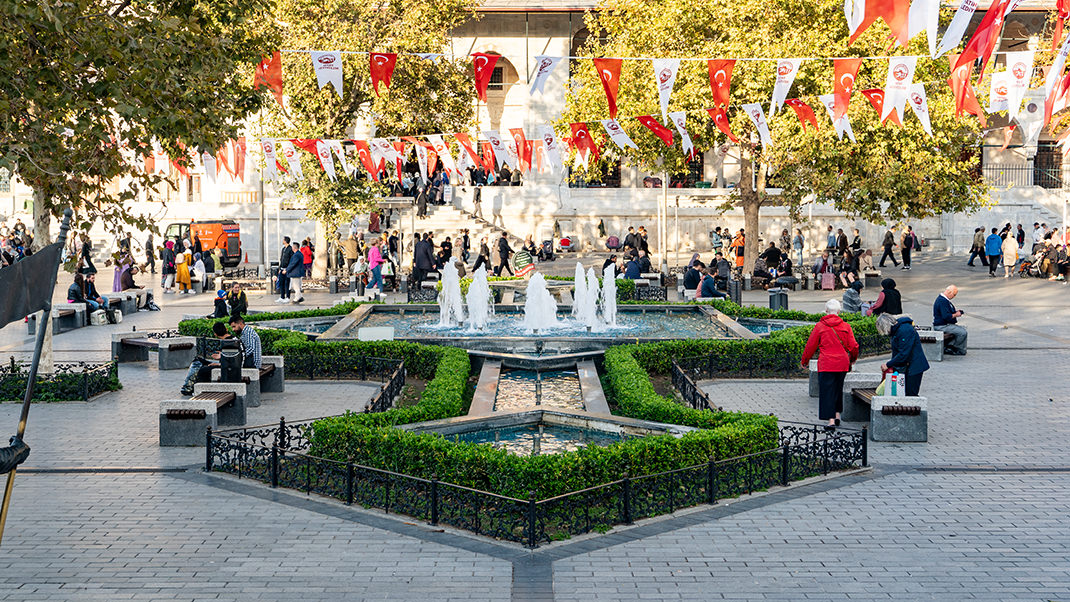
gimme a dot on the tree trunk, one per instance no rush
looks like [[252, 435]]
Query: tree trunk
[[42, 221], [751, 203], [319, 265]]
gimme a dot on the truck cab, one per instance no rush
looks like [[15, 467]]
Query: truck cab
[[224, 235]]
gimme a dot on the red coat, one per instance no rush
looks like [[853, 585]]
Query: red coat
[[307, 252], [836, 341]]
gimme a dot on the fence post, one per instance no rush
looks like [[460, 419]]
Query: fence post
[[865, 445], [208, 450], [274, 466], [280, 438], [531, 519], [825, 455], [349, 483], [627, 491], [311, 365], [363, 367], [709, 366], [784, 459], [85, 383], [434, 499]]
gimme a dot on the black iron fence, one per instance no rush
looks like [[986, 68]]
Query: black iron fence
[[274, 454], [71, 381], [1023, 175], [737, 365]]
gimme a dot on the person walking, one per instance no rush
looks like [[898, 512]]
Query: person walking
[[797, 244], [167, 266], [150, 253], [504, 252], [283, 282], [484, 255], [1020, 236], [295, 271], [423, 259], [910, 242], [375, 262], [477, 200], [994, 249], [889, 244], [182, 265], [785, 241], [907, 355], [977, 249], [835, 341], [1010, 255]]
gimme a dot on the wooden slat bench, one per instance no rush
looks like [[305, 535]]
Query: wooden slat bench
[[932, 344], [64, 317], [900, 419], [174, 353], [183, 421], [231, 400]]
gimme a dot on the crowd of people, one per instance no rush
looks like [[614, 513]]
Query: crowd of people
[[15, 243], [1046, 255]]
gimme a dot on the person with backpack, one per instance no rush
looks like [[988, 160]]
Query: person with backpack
[[837, 349], [910, 243]]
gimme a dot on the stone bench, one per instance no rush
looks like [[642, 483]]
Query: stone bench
[[897, 418], [64, 317], [230, 398], [252, 378], [933, 342], [871, 279], [124, 301], [175, 353], [183, 422], [858, 409]]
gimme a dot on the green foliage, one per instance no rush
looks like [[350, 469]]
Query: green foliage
[[62, 386]]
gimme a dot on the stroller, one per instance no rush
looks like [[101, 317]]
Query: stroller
[[546, 251], [1030, 266]]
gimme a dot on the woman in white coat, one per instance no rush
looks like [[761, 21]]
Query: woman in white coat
[[1010, 254]]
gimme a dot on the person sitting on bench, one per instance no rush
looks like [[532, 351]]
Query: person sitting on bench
[[250, 342], [707, 288], [945, 319], [92, 297], [200, 369], [723, 271]]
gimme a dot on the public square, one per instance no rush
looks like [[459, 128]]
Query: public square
[[101, 512]]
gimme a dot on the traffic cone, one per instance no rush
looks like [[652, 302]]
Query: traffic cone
[[247, 257]]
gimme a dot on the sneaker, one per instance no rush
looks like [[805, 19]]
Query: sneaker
[[186, 392], [904, 268], [301, 300], [281, 300]]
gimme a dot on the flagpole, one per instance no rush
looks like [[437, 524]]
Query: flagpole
[[31, 379]]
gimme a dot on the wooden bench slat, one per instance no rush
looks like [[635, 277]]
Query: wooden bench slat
[[187, 414], [864, 395], [180, 346], [220, 398], [267, 370], [151, 344], [65, 312]]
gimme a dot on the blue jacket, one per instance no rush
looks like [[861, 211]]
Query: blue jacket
[[709, 289], [993, 245], [907, 355], [632, 271], [943, 311], [296, 267]]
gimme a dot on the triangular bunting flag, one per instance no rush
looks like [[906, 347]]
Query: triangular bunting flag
[[381, 65], [609, 73], [659, 130]]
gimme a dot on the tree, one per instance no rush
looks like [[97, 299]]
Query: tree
[[424, 97], [889, 174], [90, 85]]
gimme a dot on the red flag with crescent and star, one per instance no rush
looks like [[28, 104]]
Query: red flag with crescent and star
[[843, 83], [894, 12], [382, 65], [483, 64], [582, 141], [269, 73], [488, 156], [984, 38], [520, 140], [721, 80], [965, 96], [466, 142], [399, 156], [609, 73], [659, 130], [876, 99], [364, 153], [803, 112], [720, 119]]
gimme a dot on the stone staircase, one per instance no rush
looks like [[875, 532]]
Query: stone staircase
[[448, 220]]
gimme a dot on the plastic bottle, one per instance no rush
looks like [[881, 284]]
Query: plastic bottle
[[895, 383]]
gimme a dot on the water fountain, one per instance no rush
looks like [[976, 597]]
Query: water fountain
[[608, 301], [584, 304], [450, 305], [579, 293], [480, 307], [540, 309]]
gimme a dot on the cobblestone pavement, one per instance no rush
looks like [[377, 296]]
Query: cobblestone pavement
[[978, 512]]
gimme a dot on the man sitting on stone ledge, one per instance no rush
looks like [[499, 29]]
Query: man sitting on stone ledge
[[945, 319]]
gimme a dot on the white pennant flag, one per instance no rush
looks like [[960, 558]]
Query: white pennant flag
[[382, 150], [786, 70], [617, 134], [920, 104], [271, 171], [754, 111], [664, 78], [1031, 117], [443, 152], [501, 153], [1020, 70], [897, 84], [161, 162], [209, 166], [842, 125], [924, 16], [328, 67], [429, 56], [292, 160], [957, 27], [679, 119], [855, 11], [999, 93], [340, 152], [549, 141], [422, 158], [464, 161], [323, 153], [546, 66]]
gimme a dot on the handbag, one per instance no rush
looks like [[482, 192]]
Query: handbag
[[851, 359]]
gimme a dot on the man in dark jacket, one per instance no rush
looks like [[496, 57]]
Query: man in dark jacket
[[295, 271], [889, 244], [423, 260], [504, 252], [632, 270], [907, 355], [284, 261], [841, 241], [945, 319]]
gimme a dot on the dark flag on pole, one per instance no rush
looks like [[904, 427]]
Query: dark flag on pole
[[26, 286]]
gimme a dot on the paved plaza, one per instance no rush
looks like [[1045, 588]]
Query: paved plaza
[[100, 512]]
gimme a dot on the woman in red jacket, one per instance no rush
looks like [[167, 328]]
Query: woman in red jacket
[[838, 350]]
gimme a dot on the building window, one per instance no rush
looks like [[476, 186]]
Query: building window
[[691, 177], [497, 79], [1048, 166], [598, 176], [5, 180]]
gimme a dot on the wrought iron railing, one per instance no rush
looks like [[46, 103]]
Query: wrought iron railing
[[737, 365], [690, 392], [275, 454], [1023, 175], [70, 381]]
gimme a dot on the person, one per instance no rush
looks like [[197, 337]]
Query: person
[[1010, 255], [994, 249], [737, 245], [785, 241], [87, 256], [889, 301], [529, 245], [841, 241], [632, 271], [199, 271], [514, 179], [504, 251], [797, 244], [423, 259], [219, 305], [484, 255], [121, 266], [350, 252], [477, 200], [837, 350], [830, 240], [848, 267], [945, 319], [197, 247], [644, 262], [910, 243], [907, 355], [708, 287], [715, 239], [93, 298], [693, 275], [373, 221], [852, 300], [466, 245], [150, 253], [250, 341], [295, 271], [630, 239], [375, 265], [200, 369], [771, 255], [307, 256], [1037, 235], [505, 175], [283, 282], [208, 258], [889, 244], [76, 291], [182, 276], [856, 242], [447, 247], [1020, 236], [977, 248], [723, 270], [127, 280], [823, 264], [167, 266], [237, 301]]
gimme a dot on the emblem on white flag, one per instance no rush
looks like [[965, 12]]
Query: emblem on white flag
[[842, 125], [664, 78], [999, 93], [422, 158], [617, 134], [1020, 70], [328, 67], [897, 85], [679, 119], [544, 67], [924, 16], [754, 111], [957, 27], [323, 153], [292, 160], [443, 152], [1031, 117], [501, 153], [271, 171], [920, 104], [786, 70], [209, 167], [549, 140]]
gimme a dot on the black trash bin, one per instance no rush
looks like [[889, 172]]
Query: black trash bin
[[735, 292], [230, 361], [778, 298]]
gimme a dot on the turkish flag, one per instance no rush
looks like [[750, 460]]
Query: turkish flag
[[721, 80], [269, 73], [894, 12], [483, 64], [1063, 6], [965, 96], [984, 38], [221, 158], [382, 65], [843, 83], [239, 158], [466, 142], [609, 72], [519, 139], [803, 112], [720, 119], [876, 99], [525, 156], [582, 141], [488, 157], [659, 130], [364, 153], [399, 156]]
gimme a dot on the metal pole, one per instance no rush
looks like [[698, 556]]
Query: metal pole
[[263, 229], [662, 230], [31, 378]]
